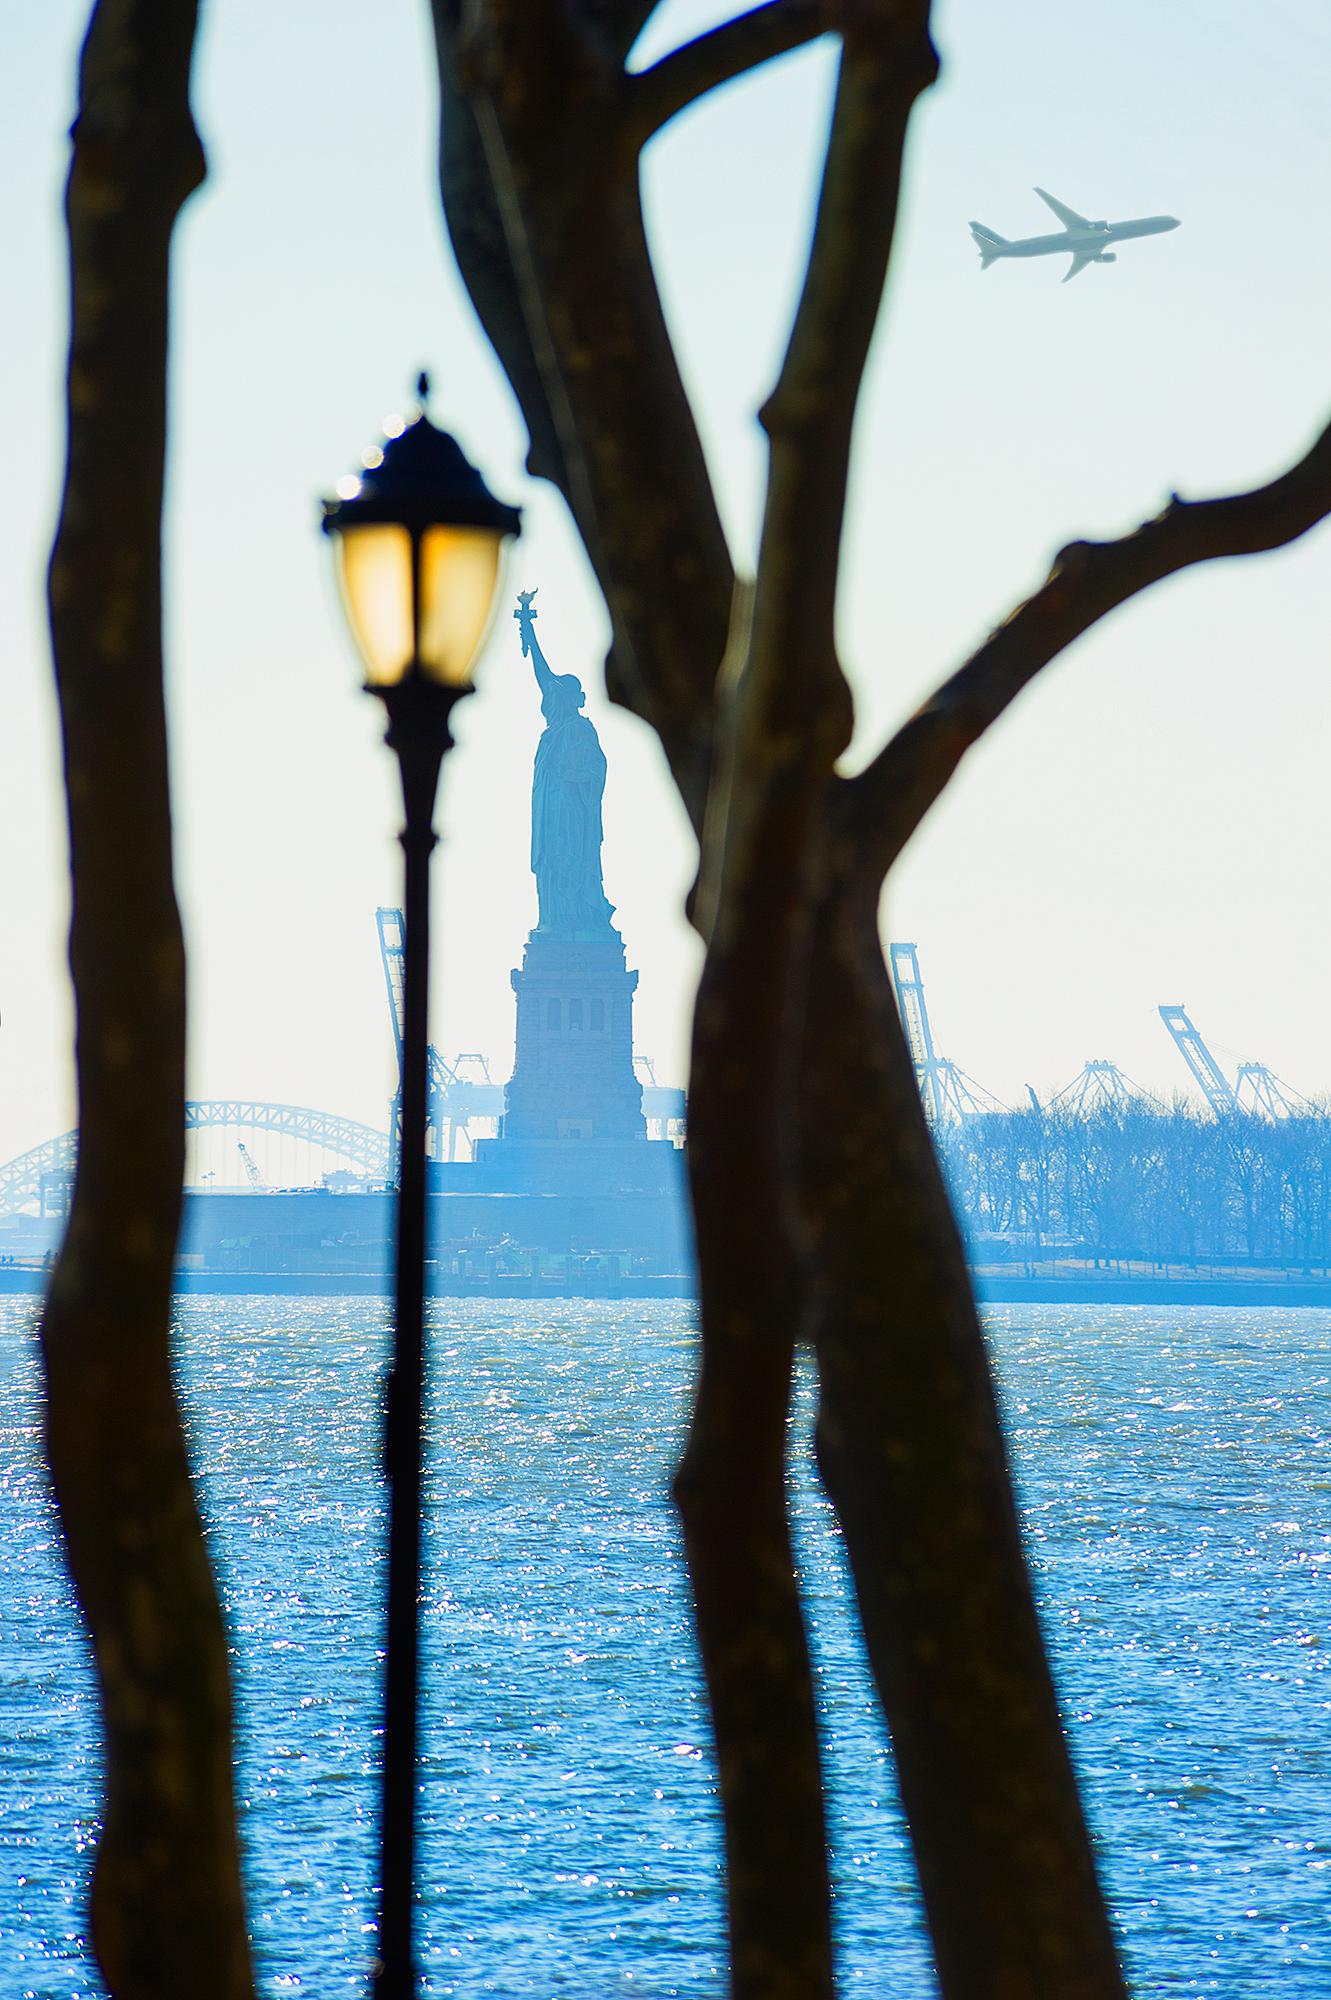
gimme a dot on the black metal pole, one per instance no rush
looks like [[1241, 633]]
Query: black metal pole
[[418, 730]]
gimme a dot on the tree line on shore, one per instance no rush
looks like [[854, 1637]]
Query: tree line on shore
[[1146, 1183]]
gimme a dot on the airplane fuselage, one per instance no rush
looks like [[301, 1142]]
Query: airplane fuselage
[[1089, 241], [1083, 240]]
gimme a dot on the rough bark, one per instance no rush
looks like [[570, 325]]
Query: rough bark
[[167, 1913], [731, 1484], [910, 1448]]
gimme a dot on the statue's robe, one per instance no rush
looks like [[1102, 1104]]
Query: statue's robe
[[567, 787]]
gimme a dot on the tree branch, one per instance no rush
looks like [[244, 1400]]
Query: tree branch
[[547, 96], [658, 94], [1088, 580], [786, 708], [887, 60], [886, 63]]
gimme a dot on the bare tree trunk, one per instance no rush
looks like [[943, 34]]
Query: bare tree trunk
[[910, 1447], [167, 1915], [731, 1484]]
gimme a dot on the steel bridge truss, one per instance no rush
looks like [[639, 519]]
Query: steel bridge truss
[[362, 1146]]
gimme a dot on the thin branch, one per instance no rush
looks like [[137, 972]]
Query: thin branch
[[887, 61], [1088, 580], [658, 94]]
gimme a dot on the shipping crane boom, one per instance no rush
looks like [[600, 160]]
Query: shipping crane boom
[[392, 951], [457, 1094], [1211, 1079], [946, 1090], [903, 959]]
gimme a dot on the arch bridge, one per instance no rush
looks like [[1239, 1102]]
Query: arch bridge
[[363, 1147]]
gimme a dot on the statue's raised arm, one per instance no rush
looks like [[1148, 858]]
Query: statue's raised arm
[[531, 645]]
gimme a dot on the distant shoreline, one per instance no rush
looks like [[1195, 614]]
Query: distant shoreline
[[1110, 1288], [992, 1287]]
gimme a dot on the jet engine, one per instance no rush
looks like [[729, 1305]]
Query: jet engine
[[1107, 257]]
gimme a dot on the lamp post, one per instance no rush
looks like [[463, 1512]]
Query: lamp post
[[419, 541]]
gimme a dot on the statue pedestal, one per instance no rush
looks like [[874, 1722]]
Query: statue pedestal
[[573, 1074]]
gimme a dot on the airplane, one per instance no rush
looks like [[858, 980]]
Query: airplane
[[1087, 242]]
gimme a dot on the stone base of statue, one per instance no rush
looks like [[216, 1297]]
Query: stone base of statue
[[574, 1123], [573, 1076], [645, 1169]]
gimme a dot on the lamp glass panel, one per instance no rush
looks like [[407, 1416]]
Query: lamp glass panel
[[374, 573], [459, 588]]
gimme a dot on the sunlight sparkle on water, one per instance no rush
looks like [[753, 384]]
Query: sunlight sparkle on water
[[1173, 1484]]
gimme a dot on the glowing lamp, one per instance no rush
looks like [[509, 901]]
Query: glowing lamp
[[419, 541]]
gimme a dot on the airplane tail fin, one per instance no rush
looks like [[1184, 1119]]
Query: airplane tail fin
[[988, 242]]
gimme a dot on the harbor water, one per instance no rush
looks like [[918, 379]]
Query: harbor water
[[1175, 1483]]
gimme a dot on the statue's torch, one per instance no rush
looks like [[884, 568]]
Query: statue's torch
[[525, 616]]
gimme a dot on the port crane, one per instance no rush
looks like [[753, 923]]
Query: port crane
[[252, 1174], [467, 1091], [1098, 1086], [459, 1090], [1210, 1079], [1256, 1089], [1259, 1089], [663, 1107], [946, 1090]]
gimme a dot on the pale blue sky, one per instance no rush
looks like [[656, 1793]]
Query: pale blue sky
[[1150, 824]]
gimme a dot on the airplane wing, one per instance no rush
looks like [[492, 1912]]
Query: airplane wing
[[1067, 216], [1080, 259]]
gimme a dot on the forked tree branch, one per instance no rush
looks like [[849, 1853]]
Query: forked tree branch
[[890, 797], [658, 94]]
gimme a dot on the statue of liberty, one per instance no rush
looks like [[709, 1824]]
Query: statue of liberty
[[567, 786]]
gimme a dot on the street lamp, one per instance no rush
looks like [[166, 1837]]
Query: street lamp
[[419, 540]]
